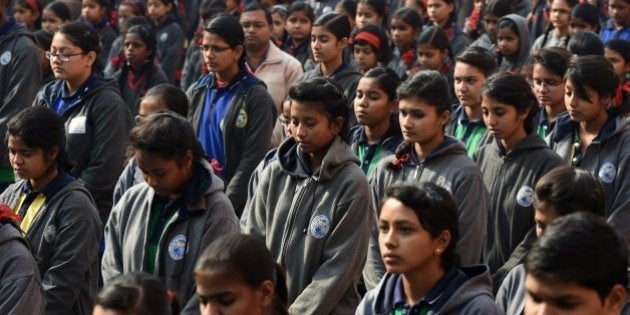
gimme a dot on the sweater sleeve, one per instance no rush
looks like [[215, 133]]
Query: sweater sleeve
[[473, 202], [170, 52], [374, 267], [343, 258], [619, 205], [111, 263]]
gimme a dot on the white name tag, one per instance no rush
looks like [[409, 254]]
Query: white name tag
[[77, 125]]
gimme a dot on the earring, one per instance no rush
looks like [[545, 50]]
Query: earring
[[438, 251]]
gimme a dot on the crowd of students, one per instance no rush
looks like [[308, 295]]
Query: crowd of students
[[314, 157]]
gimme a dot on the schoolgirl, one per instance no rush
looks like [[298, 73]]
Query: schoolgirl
[[472, 68], [584, 18], [550, 64], [585, 43], [370, 47], [55, 14], [170, 38], [617, 51], [512, 43], [329, 38], [161, 226], [96, 14], [492, 12], [349, 9], [557, 33], [312, 201], [428, 155], [160, 97], [371, 12], [618, 25], [442, 14], [139, 73], [512, 164], [405, 26], [434, 53], [590, 137], [300, 19], [96, 118], [116, 56], [129, 8], [240, 265], [43, 40], [28, 12], [58, 214], [230, 109], [377, 133], [279, 19], [135, 293], [418, 234]]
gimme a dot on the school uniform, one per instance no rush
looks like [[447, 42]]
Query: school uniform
[[371, 154], [550, 39], [510, 177], [97, 123], [473, 134], [607, 158], [403, 61], [234, 125], [20, 76], [511, 294], [133, 85], [610, 31], [447, 166], [515, 63], [170, 48], [302, 52], [461, 290], [147, 232], [316, 225], [63, 227]]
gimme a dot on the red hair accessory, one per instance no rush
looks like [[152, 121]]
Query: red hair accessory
[[33, 4], [399, 161], [170, 296], [216, 167], [7, 214], [370, 38]]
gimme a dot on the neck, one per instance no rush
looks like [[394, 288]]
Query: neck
[[554, 111], [425, 148], [328, 68], [594, 126], [74, 84], [473, 113], [561, 32], [39, 183], [297, 42], [418, 283], [375, 132], [255, 56], [228, 74], [510, 142]]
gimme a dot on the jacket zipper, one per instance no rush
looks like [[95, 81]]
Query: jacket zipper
[[292, 218]]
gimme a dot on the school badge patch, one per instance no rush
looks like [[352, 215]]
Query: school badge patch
[[320, 225], [177, 247], [525, 196], [163, 37], [241, 119], [5, 58], [607, 173], [50, 232]]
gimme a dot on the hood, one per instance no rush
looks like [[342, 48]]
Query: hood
[[523, 36], [13, 29], [93, 85], [478, 284], [565, 127], [293, 161], [203, 182], [531, 142], [450, 145], [345, 70], [9, 233], [247, 80]]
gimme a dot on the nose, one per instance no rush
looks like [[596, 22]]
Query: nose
[[389, 239], [490, 120], [361, 101], [299, 130]]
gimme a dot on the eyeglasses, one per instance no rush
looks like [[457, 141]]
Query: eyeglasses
[[62, 57], [213, 49]]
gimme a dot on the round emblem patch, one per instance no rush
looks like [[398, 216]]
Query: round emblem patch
[[241, 119], [177, 247], [607, 173], [163, 37], [525, 196], [5, 58], [50, 232], [320, 225]]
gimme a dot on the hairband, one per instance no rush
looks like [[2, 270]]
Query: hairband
[[33, 4], [370, 38]]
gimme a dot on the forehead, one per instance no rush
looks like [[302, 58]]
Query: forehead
[[298, 15], [491, 102], [427, 48], [464, 69], [415, 103], [365, 7], [556, 290], [321, 31], [213, 39], [506, 31], [306, 109], [254, 16], [60, 41], [394, 210], [540, 71], [133, 37]]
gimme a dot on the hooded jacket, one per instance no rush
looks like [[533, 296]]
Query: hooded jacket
[[478, 134], [20, 286], [65, 235], [170, 49], [20, 76], [316, 226], [607, 158], [447, 166], [514, 63], [510, 178], [474, 296], [247, 129], [205, 215], [97, 125]]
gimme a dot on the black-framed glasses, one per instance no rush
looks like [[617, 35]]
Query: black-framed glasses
[[63, 57], [213, 49]]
